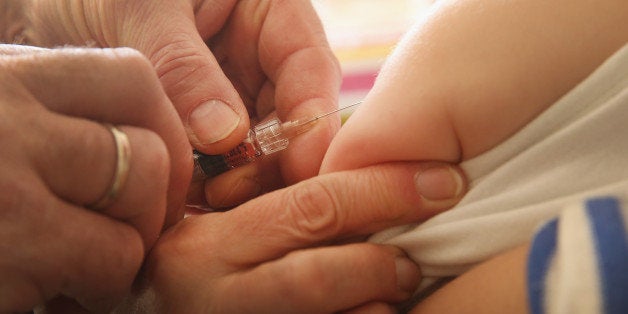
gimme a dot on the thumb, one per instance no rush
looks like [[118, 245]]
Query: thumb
[[209, 106]]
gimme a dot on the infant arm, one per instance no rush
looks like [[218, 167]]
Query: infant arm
[[472, 73]]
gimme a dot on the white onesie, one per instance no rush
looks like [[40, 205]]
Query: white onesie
[[577, 148]]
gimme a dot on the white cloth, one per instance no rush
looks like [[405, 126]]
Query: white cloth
[[575, 149]]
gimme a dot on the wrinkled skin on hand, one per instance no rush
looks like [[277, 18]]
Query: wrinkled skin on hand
[[259, 57], [293, 250], [57, 158]]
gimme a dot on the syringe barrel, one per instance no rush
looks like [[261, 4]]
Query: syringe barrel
[[264, 139], [207, 166]]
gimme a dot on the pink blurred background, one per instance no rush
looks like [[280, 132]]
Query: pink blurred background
[[362, 33]]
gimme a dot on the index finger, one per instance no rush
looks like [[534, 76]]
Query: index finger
[[337, 205], [296, 56]]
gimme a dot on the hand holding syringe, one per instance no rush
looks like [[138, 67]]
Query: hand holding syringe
[[264, 139]]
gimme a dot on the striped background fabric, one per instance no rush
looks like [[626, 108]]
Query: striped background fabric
[[578, 262]]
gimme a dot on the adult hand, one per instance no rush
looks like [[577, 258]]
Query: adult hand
[[265, 255], [57, 157], [219, 62]]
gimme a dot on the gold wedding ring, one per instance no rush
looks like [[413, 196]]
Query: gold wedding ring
[[123, 163]]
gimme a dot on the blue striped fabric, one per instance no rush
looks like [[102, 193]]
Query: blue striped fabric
[[541, 253], [606, 221], [609, 234]]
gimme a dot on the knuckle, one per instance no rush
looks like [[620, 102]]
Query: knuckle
[[140, 83], [313, 210], [176, 54], [130, 259], [19, 198], [124, 64], [133, 59], [132, 65], [155, 154], [383, 202], [301, 270], [121, 264], [117, 264], [179, 66], [143, 196], [180, 240]]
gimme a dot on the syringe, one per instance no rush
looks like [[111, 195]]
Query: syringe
[[264, 139]]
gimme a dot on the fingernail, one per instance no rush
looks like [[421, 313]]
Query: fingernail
[[438, 183], [213, 121], [408, 275]]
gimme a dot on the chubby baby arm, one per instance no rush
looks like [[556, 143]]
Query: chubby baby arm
[[472, 73], [467, 77]]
